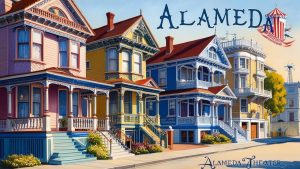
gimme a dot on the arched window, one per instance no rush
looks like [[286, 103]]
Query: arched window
[[112, 57], [212, 53], [57, 11], [125, 62]]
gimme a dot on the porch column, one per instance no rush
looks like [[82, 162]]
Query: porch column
[[94, 116], [177, 110], [121, 104], [107, 127], [70, 115], [9, 106], [212, 78], [141, 108], [46, 117], [197, 106], [230, 115], [157, 110], [212, 113]]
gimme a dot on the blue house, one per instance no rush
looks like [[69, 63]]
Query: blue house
[[197, 98]]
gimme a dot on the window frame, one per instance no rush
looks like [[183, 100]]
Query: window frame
[[246, 61], [159, 77], [212, 53], [61, 51], [137, 63], [126, 61], [40, 102], [88, 63], [109, 59], [23, 43], [28, 102], [246, 106], [169, 103], [71, 53], [35, 43], [75, 103]]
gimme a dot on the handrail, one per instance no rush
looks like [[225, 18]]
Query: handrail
[[240, 130], [121, 137], [162, 135], [226, 128], [108, 143]]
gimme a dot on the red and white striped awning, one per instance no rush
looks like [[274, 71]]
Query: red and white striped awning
[[276, 13]]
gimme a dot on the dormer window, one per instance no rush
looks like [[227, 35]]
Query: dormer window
[[137, 37], [212, 53], [57, 11]]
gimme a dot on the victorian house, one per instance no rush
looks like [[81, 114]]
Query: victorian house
[[43, 85], [196, 99], [246, 78], [117, 55]]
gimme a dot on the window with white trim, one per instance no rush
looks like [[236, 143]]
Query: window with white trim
[[244, 105], [75, 55], [212, 53], [244, 63], [125, 62], [172, 108], [162, 77], [137, 59], [36, 101], [63, 52], [112, 57], [37, 45], [243, 81], [186, 74]]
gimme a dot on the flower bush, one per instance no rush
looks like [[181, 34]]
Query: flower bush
[[98, 151], [19, 161], [141, 148], [215, 138], [96, 146]]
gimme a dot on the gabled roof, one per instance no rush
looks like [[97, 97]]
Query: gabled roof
[[216, 89], [119, 29], [181, 51]]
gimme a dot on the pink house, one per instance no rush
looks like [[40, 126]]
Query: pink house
[[43, 85]]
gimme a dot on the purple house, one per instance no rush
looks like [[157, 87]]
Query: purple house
[[45, 98]]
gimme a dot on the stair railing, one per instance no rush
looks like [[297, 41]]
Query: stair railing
[[227, 128], [162, 135], [122, 138], [240, 130], [108, 143]]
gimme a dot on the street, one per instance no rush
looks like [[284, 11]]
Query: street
[[288, 155]]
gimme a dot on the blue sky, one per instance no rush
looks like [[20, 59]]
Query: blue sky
[[95, 10]]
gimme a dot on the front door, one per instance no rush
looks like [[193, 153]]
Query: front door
[[253, 130], [62, 110]]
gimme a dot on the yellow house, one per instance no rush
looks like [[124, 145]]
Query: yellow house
[[117, 55], [247, 79]]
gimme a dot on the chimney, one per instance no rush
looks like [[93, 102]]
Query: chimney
[[169, 44], [110, 21], [5, 6]]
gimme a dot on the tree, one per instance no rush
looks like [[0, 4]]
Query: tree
[[275, 83]]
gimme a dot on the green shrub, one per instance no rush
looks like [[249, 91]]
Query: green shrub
[[154, 148], [208, 139], [224, 139], [95, 139], [215, 138], [19, 161], [98, 151]]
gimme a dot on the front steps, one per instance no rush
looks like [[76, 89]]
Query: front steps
[[65, 151], [118, 151], [231, 132]]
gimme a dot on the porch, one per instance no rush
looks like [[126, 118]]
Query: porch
[[51, 104]]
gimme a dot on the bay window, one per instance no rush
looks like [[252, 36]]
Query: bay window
[[186, 74], [37, 45], [243, 81], [63, 53], [112, 57], [23, 101], [244, 63], [23, 44], [125, 62], [36, 102], [74, 55], [137, 63]]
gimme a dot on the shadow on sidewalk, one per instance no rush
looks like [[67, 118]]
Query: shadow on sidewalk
[[277, 140]]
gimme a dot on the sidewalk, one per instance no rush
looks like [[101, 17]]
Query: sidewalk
[[142, 160]]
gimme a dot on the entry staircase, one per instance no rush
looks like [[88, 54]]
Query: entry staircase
[[68, 150], [154, 132], [236, 133]]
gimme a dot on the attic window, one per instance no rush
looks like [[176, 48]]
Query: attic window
[[212, 53], [57, 11], [137, 37]]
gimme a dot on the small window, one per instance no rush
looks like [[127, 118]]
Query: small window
[[291, 103], [172, 107], [212, 53], [162, 76], [244, 106], [75, 55], [88, 65], [37, 45], [75, 104], [23, 44], [244, 63], [137, 37], [112, 57], [291, 116]]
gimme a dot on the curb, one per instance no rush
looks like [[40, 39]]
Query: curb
[[191, 156]]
